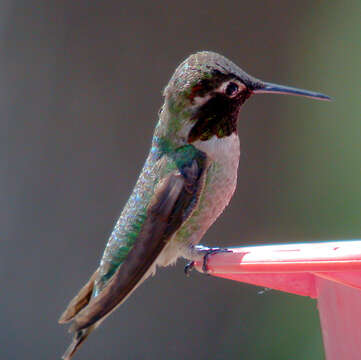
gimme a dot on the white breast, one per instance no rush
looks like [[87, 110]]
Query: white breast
[[220, 183], [224, 150]]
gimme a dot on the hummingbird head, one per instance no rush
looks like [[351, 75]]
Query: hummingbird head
[[204, 96]]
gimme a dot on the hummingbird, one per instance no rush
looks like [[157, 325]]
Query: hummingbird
[[187, 180]]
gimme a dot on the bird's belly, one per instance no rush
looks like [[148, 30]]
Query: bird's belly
[[218, 191]]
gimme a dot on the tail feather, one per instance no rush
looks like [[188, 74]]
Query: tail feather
[[78, 339], [79, 301]]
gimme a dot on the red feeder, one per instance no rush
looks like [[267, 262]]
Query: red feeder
[[327, 271]]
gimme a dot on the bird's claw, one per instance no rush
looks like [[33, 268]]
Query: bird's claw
[[211, 251], [188, 268], [207, 252]]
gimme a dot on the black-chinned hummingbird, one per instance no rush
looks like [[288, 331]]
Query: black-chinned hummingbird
[[187, 180]]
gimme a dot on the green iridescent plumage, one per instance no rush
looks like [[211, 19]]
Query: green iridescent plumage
[[166, 158], [187, 180]]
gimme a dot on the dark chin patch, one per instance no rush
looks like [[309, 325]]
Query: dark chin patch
[[217, 117]]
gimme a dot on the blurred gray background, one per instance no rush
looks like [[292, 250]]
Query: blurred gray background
[[80, 87]]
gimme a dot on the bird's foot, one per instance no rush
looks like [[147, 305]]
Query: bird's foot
[[209, 252], [199, 253], [188, 268]]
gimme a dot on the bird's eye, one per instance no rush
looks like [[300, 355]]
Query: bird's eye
[[231, 89]]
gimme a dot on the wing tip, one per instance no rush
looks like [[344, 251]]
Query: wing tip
[[80, 301], [64, 318]]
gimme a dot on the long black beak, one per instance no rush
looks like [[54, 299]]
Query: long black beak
[[269, 88]]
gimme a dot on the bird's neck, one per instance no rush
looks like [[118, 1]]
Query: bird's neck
[[225, 149]]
